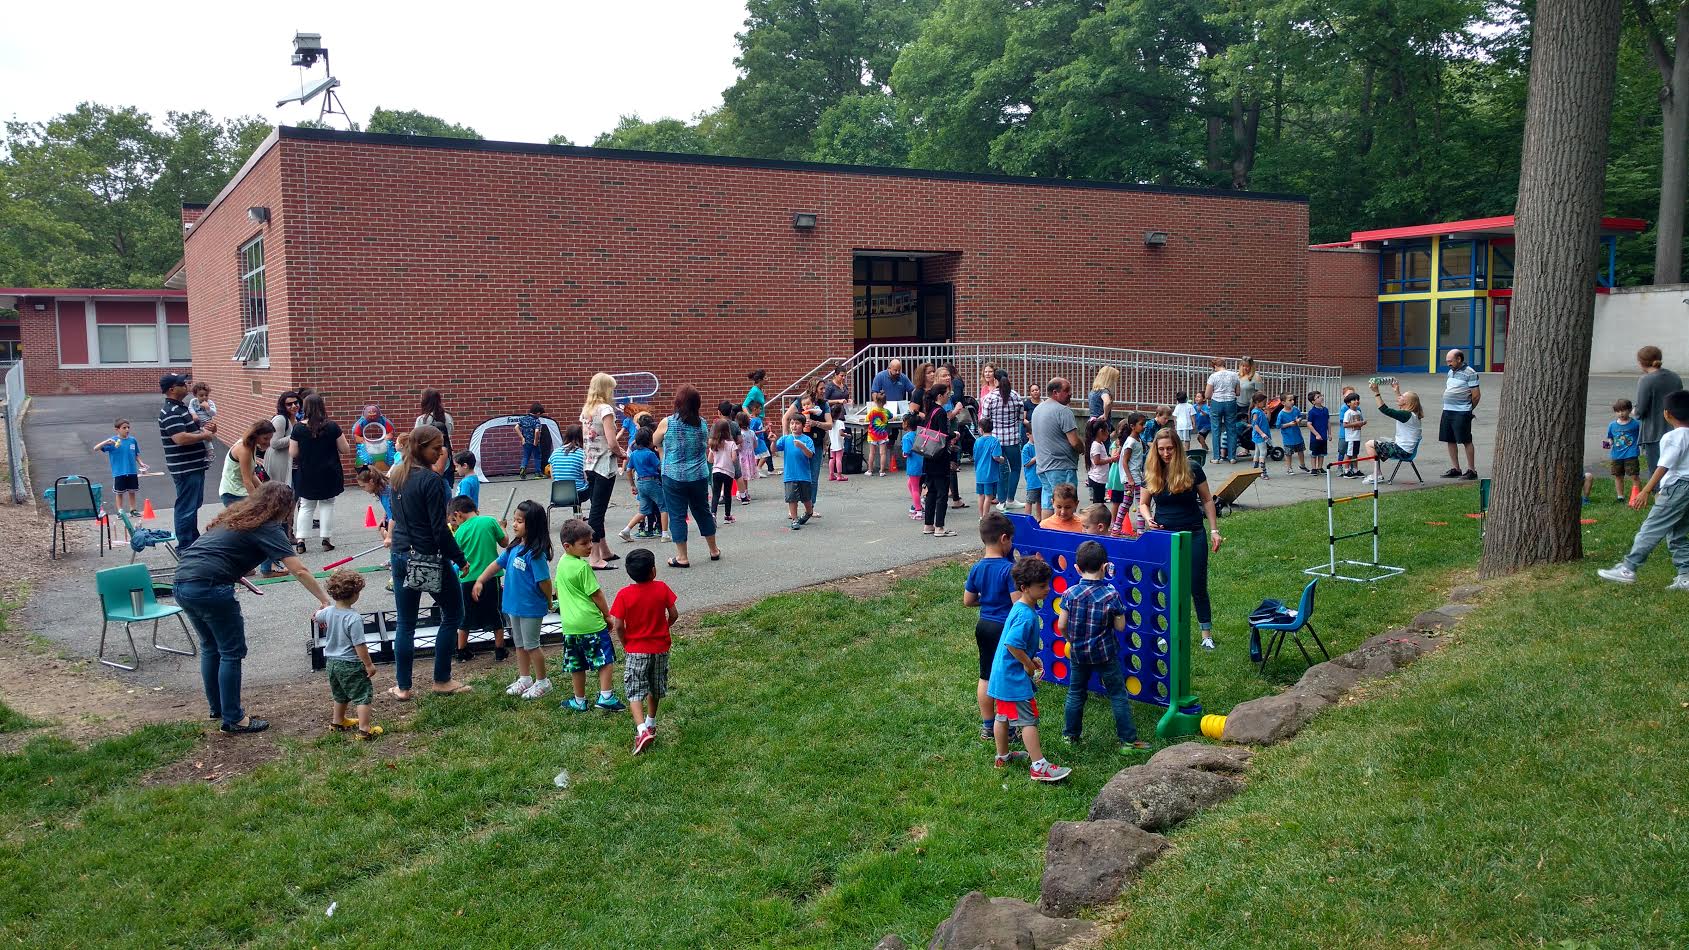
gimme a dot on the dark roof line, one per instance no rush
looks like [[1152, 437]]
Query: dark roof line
[[681, 158], [195, 205]]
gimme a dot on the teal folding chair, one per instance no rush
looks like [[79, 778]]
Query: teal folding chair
[[75, 498], [126, 597], [1291, 627]]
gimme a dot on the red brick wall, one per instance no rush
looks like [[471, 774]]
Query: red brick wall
[[39, 331], [1343, 308], [501, 277]]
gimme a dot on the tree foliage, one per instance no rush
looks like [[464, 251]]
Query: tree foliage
[[411, 122]]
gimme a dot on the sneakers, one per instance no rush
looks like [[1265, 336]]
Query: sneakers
[[1620, 574], [625, 534], [575, 703], [1372, 480], [1681, 582], [1133, 747], [1003, 761], [1452, 473], [643, 740], [537, 690], [500, 654], [1208, 643], [729, 520], [1048, 772], [520, 686], [985, 733], [1471, 475], [612, 704], [804, 518], [796, 524]]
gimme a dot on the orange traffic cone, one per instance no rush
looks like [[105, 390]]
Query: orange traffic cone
[[369, 517], [1635, 493], [146, 511]]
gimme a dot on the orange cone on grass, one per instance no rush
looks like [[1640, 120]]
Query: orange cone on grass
[[146, 511], [1635, 493], [369, 517]]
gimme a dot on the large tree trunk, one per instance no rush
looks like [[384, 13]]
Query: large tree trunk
[[1674, 151], [1533, 517]]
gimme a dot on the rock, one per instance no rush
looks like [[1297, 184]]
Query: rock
[[1456, 610], [1433, 620], [891, 942], [1272, 719], [1204, 757], [1089, 862], [1387, 653], [1466, 594], [1002, 923], [1156, 798], [1327, 680]]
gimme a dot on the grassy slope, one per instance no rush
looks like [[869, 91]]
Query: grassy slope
[[817, 782]]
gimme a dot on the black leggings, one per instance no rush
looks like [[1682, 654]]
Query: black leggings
[[1199, 574], [937, 484], [1099, 492], [598, 489], [721, 486], [956, 485]]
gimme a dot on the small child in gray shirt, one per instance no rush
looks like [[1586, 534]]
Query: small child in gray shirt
[[349, 665]]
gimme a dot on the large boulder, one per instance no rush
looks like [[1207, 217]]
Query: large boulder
[[1387, 653], [1089, 862], [1204, 757], [1433, 620], [1272, 719], [1456, 610], [1003, 923], [1156, 798], [1328, 680]]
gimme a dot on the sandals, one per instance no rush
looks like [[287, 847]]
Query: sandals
[[403, 696], [454, 690], [676, 562], [299, 547], [603, 567], [716, 556]]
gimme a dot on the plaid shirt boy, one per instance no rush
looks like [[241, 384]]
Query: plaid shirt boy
[[1091, 606]]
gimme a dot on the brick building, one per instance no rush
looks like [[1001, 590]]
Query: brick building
[[371, 266], [91, 340]]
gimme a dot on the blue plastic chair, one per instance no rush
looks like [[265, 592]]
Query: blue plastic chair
[[1292, 628], [1409, 463], [75, 498], [118, 588]]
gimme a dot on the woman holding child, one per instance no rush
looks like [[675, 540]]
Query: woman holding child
[[683, 438], [423, 551], [1179, 493]]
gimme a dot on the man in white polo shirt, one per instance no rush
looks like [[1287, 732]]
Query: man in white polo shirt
[[1460, 398]]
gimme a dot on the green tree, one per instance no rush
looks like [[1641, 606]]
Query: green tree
[[1668, 50], [411, 122], [663, 135], [862, 129]]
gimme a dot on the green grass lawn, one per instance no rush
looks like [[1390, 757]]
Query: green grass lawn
[[13, 721], [818, 781]]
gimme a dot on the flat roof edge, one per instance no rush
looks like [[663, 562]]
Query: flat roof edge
[[684, 158]]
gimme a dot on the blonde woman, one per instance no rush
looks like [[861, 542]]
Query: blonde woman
[[1103, 387], [1176, 498], [419, 532], [604, 458], [1409, 417]]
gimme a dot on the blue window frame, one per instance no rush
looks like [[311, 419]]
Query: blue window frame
[[1502, 277], [1461, 326], [1461, 265], [1404, 270], [1404, 336]]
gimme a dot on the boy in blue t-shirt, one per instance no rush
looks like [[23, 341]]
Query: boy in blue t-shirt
[[1290, 423], [528, 428], [1260, 429], [1034, 485], [468, 483], [1013, 667], [914, 465], [645, 472], [988, 463], [1204, 421], [1624, 448], [796, 450], [1319, 429], [990, 588], [124, 455]]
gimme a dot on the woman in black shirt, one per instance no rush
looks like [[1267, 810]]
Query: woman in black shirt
[[251, 530], [937, 468], [1179, 491], [420, 532], [317, 445]]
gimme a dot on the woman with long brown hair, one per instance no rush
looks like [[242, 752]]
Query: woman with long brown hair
[[1178, 490], [683, 438], [278, 463], [422, 551], [317, 446], [433, 413], [246, 533]]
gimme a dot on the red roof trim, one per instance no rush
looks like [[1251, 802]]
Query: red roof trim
[[91, 292], [1501, 223]]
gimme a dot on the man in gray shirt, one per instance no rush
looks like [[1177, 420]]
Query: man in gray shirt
[[1651, 391], [1055, 437]]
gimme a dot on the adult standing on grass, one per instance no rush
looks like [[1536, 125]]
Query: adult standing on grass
[[683, 438], [423, 550], [278, 463], [317, 447], [1656, 384], [185, 455], [1055, 436], [938, 466], [1005, 408], [603, 460], [1460, 400], [250, 531], [1221, 393], [1176, 498], [433, 413]]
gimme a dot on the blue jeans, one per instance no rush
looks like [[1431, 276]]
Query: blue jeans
[[532, 460], [190, 494], [1114, 685], [1008, 481], [817, 462], [1225, 417], [406, 604], [215, 615], [1054, 477], [679, 497]]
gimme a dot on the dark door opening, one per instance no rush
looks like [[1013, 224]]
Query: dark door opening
[[893, 304]]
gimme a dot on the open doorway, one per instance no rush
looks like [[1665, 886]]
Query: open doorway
[[897, 299]]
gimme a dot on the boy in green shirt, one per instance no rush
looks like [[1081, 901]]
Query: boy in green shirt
[[480, 536], [585, 620]]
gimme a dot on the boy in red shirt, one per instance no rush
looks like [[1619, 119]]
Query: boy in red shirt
[[640, 616]]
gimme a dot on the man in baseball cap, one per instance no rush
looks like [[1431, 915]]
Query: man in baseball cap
[[185, 455]]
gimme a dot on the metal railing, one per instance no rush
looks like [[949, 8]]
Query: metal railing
[[11, 416], [1148, 378]]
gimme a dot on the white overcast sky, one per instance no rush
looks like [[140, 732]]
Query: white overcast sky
[[513, 71]]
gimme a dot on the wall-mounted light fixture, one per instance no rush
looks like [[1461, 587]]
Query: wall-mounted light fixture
[[259, 215], [1155, 238], [804, 220]]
